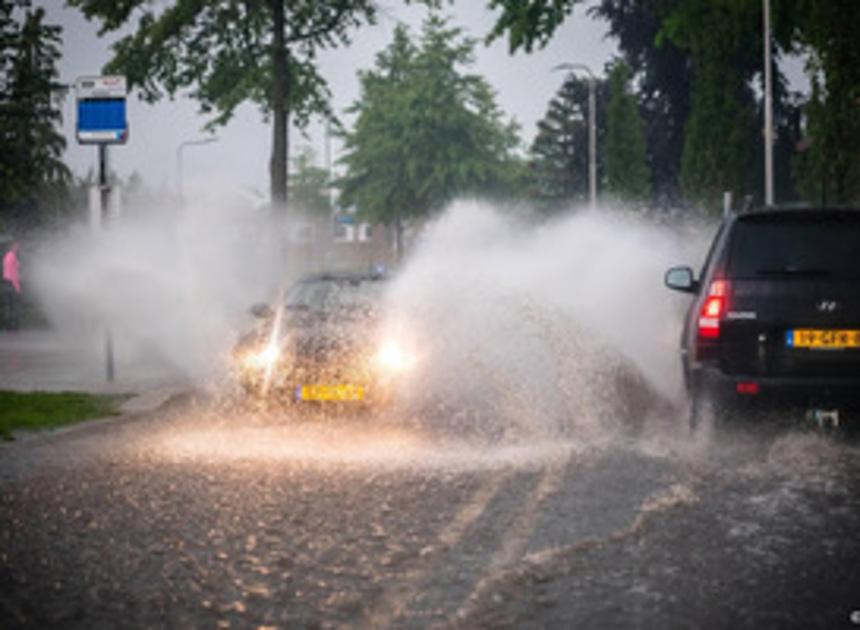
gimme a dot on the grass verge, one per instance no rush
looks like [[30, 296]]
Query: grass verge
[[33, 411]]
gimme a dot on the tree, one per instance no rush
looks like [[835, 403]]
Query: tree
[[226, 52], [627, 173], [529, 22], [558, 164], [662, 75], [829, 169], [425, 131], [723, 40], [31, 168], [694, 62], [309, 185]]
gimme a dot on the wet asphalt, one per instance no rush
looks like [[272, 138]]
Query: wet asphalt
[[197, 516]]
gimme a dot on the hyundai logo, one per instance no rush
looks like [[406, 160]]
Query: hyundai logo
[[827, 306]]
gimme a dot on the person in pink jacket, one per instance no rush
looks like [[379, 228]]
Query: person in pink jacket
[[11, 287]]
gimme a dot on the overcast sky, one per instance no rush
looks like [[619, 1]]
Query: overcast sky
[[524, 84]]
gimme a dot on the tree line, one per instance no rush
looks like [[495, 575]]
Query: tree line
[[697, 66], [679, 111]]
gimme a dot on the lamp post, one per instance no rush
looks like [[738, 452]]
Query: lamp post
[[768, 109], [592, 127], [179, 149]]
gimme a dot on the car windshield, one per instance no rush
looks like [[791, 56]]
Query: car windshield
[[796, 246], [340, 296]]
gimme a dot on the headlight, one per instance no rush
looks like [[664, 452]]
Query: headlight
[[262, 359], [392, 357]]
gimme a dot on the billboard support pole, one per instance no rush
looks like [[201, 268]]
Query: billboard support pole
[[104, 209], [101, 106]]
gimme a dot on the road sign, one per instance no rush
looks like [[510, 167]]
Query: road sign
[[102, 121], [101, 110]]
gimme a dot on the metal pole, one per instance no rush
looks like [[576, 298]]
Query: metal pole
[[328, 161], [592, 142], [103, 181], [104, 199], [768, 111], [727, 203], [328, 244]]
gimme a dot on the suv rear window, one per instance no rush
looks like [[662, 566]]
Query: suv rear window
[[808, 244]]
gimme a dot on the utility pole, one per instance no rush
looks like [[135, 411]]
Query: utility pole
[[768, 110], [592, 127]]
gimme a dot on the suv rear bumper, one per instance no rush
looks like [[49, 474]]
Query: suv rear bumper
[[742, 389]]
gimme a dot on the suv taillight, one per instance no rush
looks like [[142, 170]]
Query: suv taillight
[[713, 309]]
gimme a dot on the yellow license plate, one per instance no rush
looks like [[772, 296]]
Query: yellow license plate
[[331, 393], [823, 339]]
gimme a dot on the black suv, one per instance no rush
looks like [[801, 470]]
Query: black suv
[[776, 315]]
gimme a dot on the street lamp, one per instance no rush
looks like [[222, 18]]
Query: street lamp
[[768, 109], [592, 127], [182, 145]]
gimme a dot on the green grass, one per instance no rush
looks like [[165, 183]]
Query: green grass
[[43, 410]]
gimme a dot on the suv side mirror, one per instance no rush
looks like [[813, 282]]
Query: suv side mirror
[[681, 279]]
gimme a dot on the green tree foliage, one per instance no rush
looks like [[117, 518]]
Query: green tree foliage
[[695, 64], [226, 52], [680, 51], [627, 173], [558, 157], [720, 131], [32, 173], [529, 23], [425, 131], [829, 169], [662, 74], [309, 185]]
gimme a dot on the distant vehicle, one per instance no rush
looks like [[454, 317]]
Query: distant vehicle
[[323, 343], [775, 321]]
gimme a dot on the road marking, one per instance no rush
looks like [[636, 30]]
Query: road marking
[[516, 538], [394, 600], [676, 495]]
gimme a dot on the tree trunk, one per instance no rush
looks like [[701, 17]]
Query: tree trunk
[[280, 108]]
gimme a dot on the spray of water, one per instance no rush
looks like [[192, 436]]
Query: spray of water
[[172, 285], [544, 328], [525, 330]]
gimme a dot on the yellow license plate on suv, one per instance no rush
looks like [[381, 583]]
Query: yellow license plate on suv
[[331, 393], [823, 339]]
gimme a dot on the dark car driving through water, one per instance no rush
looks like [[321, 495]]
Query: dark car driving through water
[[324, 342], [775, 319]]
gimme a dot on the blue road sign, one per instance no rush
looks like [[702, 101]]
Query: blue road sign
[[101, 110]]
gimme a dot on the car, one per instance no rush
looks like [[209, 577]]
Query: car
[[324, 343], [775, 318]]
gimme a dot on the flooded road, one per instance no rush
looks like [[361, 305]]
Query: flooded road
[[196, 517]]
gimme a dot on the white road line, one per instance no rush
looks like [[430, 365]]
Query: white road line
[[394, 600], [516, 539]]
